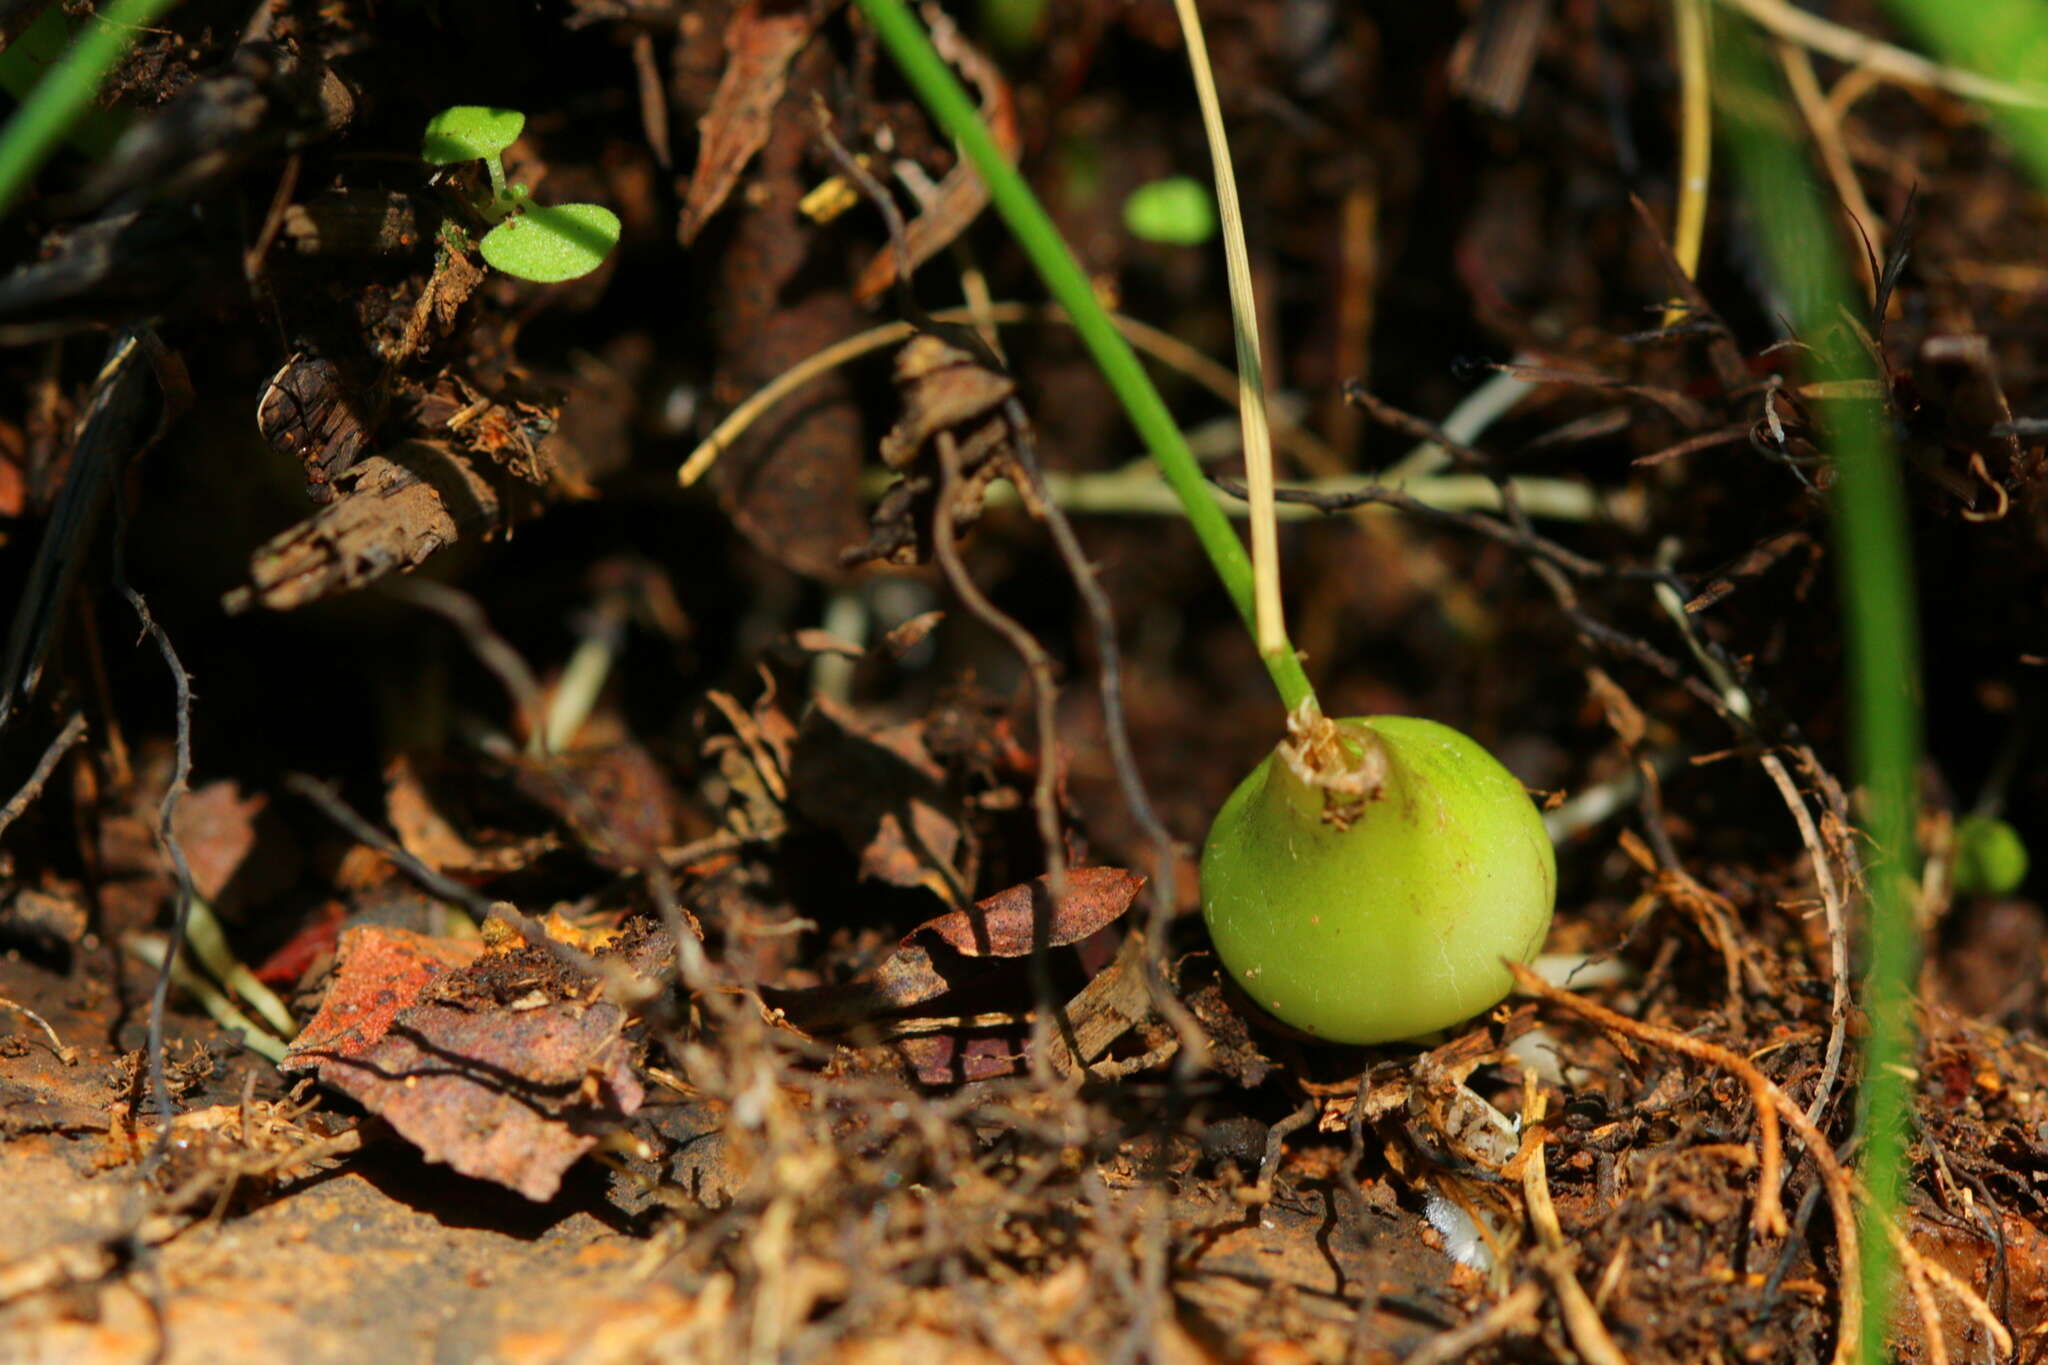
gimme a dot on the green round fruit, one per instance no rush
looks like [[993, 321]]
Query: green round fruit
[[1381, 910], [1990, 857]]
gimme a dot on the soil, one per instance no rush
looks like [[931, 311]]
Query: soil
[[651, 876]]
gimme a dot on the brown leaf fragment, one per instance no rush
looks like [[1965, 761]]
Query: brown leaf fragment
[[936, 957], [942, 387], [393, 512], [616, 800], [961, 195], [510, 1095], [951, 1059], [761, 46], [879, 790], [945, 390], [379, 971], [216, 826]]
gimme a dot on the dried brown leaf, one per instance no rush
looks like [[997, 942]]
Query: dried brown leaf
[[760, 48], [939, 955]]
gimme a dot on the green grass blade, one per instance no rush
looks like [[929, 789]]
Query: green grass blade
[[2005, 39], [1874, 568], [1035, 233], [65, 94]]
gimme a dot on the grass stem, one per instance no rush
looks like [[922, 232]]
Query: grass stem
[[1035, 232], [62, 97]]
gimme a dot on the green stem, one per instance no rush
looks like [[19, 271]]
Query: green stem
[[1874, 572], [1033, 227], [62, 96]]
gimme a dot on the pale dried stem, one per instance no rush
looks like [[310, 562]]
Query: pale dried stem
[[1881, 58], [1270, 631]]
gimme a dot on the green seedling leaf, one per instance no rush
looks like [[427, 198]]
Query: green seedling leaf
[[1990, 858], [550, 244], [1176, 211], [469, 132]]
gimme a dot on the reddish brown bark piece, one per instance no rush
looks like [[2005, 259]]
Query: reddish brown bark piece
[[513, 1096], [379, 972], [938, 955], [391, 513], [761, 46]]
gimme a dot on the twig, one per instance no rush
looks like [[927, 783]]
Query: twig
[[167, 840], [1515, 1313], [1135, 490], [1772, 1104], [1838, 936], [70, 734], [156, 952], [1826, 127], [334, 808], [1582, 1323], [1194, 1045], [1882, 58], [1167, 349], [1044, 691], [1736, 700], [68, 1056], [1037, 663], [492, 650]]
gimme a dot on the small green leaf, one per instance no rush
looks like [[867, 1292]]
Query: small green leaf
[[1178, 211], [469, 132], [1990, 857], [552, 244]]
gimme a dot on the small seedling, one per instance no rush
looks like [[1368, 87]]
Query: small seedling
[[543, 243], [1366, 881], [1177, 210]]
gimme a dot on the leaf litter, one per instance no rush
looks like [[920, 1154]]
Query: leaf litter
[[795, 1047]]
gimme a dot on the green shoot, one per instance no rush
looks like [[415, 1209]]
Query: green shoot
[[64, 96], [1028, 221], [545, 244], [1876, 583]]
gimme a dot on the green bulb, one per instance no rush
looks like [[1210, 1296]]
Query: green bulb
[[1365, 883], [1990, 858]]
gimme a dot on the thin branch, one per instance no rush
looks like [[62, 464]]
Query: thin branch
[[70, 734], [334, 808]]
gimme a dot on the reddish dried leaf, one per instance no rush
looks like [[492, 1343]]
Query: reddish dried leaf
[[761, 47], [938, 955], [216, 826], [298, 953], [379, 972], [949, 1059], [513, 1096], [616, 799]]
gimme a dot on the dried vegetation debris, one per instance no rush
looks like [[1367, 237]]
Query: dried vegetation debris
[[786, 1030]]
